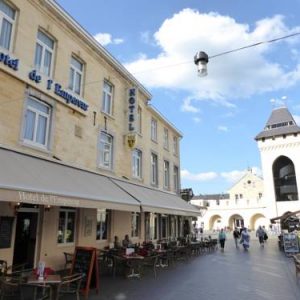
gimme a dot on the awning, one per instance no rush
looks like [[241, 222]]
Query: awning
[[156, 201], [24, 178], [285, 216]]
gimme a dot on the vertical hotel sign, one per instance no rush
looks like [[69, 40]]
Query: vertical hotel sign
[[132, 116]]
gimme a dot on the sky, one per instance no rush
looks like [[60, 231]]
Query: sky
[[219, 115]]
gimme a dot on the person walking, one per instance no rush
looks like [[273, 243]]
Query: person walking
[[222, 239], [245, 239], [260, 233], [236, 236]]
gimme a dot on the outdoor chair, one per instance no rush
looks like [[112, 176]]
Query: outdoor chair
[[119, 264], [150, 262], [39, 291], [10, 288], [3, 267], [68, 260], [70, 285]]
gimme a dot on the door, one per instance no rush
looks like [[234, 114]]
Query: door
[[25, 238]]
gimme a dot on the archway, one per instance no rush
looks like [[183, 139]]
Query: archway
[[236, 221], [284, 176], [215, 222], [259, 220]]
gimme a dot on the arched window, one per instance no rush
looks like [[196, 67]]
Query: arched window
[[285, 182]]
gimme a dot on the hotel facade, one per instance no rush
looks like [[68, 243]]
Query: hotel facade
[[84, 156]]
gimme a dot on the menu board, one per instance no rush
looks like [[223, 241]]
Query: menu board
[[85, 262], [6, 226], [290, 243]]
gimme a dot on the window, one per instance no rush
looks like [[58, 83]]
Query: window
[[75, 76], [241, 196], [176, 178], [217, 202], [175, 145], [137, 163], [7, 20], [44, 53], [154, 169], [236, 196], [285, 181], [102, 224], [139, 120], [259, 195], [166, 174], [66, 226], [37, 123], [166, 138], [154, 130], [106, 150], [107, 98], [135, 224]]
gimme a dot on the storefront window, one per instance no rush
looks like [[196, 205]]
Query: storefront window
[[102, 224], [66, 226]]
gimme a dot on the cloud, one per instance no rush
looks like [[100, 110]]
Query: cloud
[[223, 128], [236, 76], [279, 102], [188, 107], [185, 174], [231, 177], [105, 39], [236, 175], [197, 119]]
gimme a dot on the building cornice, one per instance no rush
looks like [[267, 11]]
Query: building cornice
[[89, 39]]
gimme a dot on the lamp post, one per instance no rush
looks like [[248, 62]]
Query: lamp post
[[201, 58]]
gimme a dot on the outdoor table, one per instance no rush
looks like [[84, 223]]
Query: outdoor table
[[133, 262], [52, 280]]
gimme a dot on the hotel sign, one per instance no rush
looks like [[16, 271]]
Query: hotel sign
[[132, 116], [59, 91], [50, 84], [45, 199]]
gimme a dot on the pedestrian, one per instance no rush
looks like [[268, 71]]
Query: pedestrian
[[260, 233], [236, 236], [222, 239], [245, 239]]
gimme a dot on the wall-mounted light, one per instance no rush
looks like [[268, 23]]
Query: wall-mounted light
[[47, 207]]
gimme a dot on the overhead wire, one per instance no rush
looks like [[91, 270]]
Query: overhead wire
[[190, 61]]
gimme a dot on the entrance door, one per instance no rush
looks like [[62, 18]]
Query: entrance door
[[25, 239]]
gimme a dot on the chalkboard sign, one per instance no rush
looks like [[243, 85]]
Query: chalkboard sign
[[6, 225], [85, 262], [290, 243]]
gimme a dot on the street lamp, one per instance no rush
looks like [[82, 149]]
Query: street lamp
[[201, 60]]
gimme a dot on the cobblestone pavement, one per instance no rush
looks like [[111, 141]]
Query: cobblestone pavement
[[258, 274]]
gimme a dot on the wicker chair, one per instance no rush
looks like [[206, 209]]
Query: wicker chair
[[150, 262], [70, 285], [10, 288]]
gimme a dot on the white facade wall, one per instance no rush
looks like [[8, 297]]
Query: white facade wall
[[270, 150]]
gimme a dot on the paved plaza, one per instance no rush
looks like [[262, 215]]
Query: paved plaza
[[259, 274]]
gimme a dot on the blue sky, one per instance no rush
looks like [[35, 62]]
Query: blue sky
[[219, 115]]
